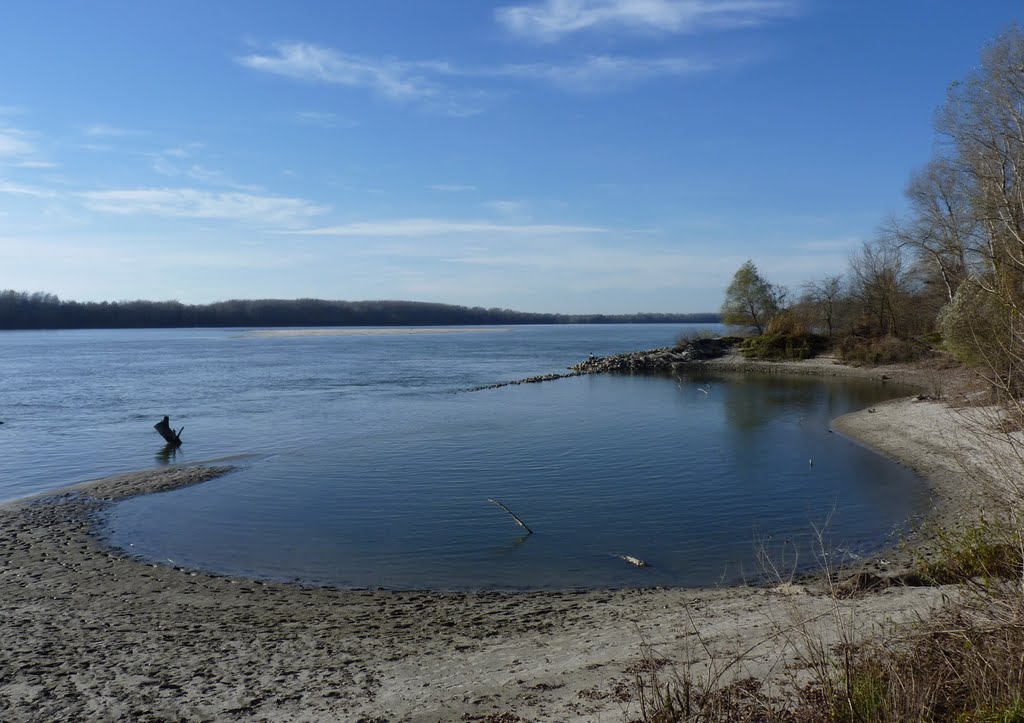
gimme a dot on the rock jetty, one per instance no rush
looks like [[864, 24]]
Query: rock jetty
[[637, 362]]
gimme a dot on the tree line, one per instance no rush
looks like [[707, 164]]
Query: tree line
[[25, 310], [953, 266]]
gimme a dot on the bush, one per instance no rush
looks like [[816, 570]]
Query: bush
[[982, 551], [782, 346], [883, 350], [976, 328]]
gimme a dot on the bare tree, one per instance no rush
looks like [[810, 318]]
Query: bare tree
[[984, 120], [879, 280], [823, 297], [942, 232]]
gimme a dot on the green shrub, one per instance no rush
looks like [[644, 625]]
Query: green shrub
[[976, 327], [778, 347], [984, 550]]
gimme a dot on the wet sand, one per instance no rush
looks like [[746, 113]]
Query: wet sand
[[88, 633]]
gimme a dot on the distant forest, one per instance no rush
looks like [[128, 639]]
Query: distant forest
[[24, 310]]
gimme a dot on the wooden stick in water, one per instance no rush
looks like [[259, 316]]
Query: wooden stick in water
[[633, 560], [514, 517]]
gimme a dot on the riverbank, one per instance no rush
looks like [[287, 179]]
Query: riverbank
[[88, 633]]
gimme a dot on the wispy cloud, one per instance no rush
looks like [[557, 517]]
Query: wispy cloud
[[35, 164], [194, 203], [507, 208], [440, 86], [18, 149], [451, 187], [18, 189], [551, 19], [604, 72], [321, 119], [103, 130], [181, 162], [425, 227], [302, 61], [200, 173], [14, 143]]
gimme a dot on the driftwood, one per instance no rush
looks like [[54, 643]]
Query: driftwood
[[633, 560], [169, 435], [513, 514]]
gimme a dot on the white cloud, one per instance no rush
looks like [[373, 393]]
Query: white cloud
[[302, 61], [18, 150], [35, 164], [193, 203], [13, 143], [421, 227], [507, 208], [322, 119], [604, 72], [176, 162], [102, 130], [451, 187], [431, 83], [18, 189], [551, 19]]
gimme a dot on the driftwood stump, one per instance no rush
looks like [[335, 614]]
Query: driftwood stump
[[169, 435]]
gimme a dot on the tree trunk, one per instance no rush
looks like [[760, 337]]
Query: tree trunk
[[169, 435]]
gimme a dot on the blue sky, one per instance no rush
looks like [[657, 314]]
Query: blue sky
[[545, 155]]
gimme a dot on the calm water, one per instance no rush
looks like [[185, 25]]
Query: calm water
[[363, 464]]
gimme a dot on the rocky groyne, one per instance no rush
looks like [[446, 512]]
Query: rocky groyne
[[662, 360]]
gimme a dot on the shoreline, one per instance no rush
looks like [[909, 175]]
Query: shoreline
[[90, 632]]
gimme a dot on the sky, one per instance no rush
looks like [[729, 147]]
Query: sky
[[573, 156]]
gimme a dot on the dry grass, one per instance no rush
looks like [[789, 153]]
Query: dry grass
[[963, 663], [881, 350]]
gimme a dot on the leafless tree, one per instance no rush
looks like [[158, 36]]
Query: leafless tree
[[823, 297], [984, 121], [879, 280], [942, 233]]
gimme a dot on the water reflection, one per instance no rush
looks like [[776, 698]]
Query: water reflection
[[753, 401], [168, 454], [514, 545]]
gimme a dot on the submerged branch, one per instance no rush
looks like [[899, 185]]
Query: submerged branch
[[514, 516]]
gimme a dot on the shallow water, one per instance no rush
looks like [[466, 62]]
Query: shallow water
[[370, 468]]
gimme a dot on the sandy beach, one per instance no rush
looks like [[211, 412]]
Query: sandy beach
[[91, 634]]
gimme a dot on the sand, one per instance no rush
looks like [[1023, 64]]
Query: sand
[[88, 633]]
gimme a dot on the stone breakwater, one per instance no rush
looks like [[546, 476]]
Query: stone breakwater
[[636, 362]]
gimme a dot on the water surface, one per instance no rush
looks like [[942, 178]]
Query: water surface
[[367, 466]]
